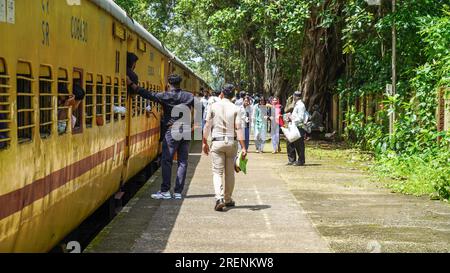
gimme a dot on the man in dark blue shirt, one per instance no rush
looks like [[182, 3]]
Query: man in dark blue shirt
[[177, 105]]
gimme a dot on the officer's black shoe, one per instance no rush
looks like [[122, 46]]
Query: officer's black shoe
[[298, 163], [220, 204], [230, 204], [290, 163]]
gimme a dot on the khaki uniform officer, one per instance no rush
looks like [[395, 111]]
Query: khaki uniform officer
[[224, 120]]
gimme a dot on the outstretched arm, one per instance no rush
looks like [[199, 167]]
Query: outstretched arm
[[153, 96]]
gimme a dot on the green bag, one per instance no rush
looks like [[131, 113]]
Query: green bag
[[240, 163]]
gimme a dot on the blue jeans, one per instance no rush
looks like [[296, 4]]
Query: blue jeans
[[169, 148], [246, 138]]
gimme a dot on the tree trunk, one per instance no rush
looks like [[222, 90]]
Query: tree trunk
[[322, 58]]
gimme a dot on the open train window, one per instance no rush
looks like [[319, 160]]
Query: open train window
[[63, 96], [77, 108], [45, 101], [5, 108], [123, 96], [109, 95], [139, 102], [99, 100], [25, 110], [145, 102], [116, 99], [89, 105]]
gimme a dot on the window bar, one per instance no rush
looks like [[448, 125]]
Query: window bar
[[89, 106], [5, 112], [123, 97], [108, 101], [25, 116]]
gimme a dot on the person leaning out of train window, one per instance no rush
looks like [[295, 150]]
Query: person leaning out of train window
[[131, 66], [73, 101], [172, 142]]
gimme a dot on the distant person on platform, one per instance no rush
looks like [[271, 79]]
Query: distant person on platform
[[240, 99], [211, 100], [175, 97], [259, 119], [296, 149], [276, 118], [246, 113], [204, 102], [225, 121]]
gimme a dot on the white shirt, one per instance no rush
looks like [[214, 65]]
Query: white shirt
[[246, 113], [239, 102], [204, 102], [211, 101], [298, 114]]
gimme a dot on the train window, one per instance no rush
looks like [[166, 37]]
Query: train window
[[99, 100], [117, 61], [89, 106], [25, 110], [63, 95], [77, 110], [5, 108], [123, 96], [45, 101], [152, 56], [108, 99], [143, 101], [116, 99]]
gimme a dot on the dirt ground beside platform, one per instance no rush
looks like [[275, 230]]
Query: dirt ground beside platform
[[354, 213]]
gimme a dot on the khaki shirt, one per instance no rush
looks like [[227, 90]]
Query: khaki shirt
[[225, 118]]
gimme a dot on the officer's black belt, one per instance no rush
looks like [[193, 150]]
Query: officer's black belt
[[223, 138]]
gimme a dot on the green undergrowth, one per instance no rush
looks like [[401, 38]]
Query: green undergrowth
[[418, 175]]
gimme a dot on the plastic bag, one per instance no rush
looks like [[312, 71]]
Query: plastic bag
[[292, 133]]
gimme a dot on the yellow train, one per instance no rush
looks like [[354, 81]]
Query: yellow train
[[51, 179]]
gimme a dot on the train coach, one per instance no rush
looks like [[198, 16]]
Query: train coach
[[52, 177]]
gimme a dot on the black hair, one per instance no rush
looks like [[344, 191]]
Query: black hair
[[175, 80], [78, 92], [228, 91], [131, 59]]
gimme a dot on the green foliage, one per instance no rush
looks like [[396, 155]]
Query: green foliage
[[412, 156]]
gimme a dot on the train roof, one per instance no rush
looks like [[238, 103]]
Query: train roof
[[117, 12]]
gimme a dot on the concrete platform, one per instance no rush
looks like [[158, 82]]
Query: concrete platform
[[267, 217]]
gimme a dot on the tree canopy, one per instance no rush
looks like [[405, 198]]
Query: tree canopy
[[326, 48]]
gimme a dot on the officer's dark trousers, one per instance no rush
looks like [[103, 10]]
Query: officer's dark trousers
[[297, 148], [169, 148]]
